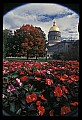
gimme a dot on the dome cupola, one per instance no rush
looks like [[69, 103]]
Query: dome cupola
[[54, 34], [54, 28]]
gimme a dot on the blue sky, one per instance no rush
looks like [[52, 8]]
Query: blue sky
[[42, 15]]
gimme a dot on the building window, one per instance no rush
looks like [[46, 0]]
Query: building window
[[52, 37], [57, 38]]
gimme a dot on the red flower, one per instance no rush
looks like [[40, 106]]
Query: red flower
[[56, 68], [24, 78], [57, 76], [64, 77], [38, 65], [42, 97], [28, 99], [74, 77], [65, 110], [37, 72], [38, 103], [51, 112], [49, 81], [55, 73], [69, 81], [58, 92], [41, 110], [34, 97], [64, 89], [63, 68], [74, 103], [22, 72], [31, 98], [38, 78]]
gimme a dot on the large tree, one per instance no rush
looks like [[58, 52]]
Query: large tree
[[31, 41], [7, 42]]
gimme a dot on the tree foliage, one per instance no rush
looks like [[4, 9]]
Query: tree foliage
[[7, 42], [31, 41], [26, 41]]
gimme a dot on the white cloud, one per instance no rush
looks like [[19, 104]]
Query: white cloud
[[34, 13]]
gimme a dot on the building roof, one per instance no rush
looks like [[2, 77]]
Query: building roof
[[54, 27]]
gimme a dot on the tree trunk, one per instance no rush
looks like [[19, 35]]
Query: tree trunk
[[36, 57], [27, 55]]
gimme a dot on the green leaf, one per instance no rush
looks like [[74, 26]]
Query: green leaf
[[27, 94], [34, 89], [4, 92], [5, 78], [5, 104], [12, 107], [18, 111], [26, 88], [38, 93], [13, 75], [31, 88]]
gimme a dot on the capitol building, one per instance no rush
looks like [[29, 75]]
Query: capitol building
[[57, 46]]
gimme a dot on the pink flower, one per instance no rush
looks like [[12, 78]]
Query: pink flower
[[18, 81], [48, 72], [12, 68], [63, 68], [3, 96], [5, 72], [43, 72], [30, 66], [10, 88], [5, 61]]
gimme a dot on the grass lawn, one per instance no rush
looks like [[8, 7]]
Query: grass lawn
[[22, 59], [13, 59]]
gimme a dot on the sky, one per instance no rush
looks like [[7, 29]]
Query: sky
[[42, 15]]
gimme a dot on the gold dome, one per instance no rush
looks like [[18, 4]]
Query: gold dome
[[54, 28]]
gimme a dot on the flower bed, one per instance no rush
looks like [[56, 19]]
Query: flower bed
[[40, 88]]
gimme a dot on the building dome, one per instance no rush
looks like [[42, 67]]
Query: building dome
[[54, 34], [54, 28]]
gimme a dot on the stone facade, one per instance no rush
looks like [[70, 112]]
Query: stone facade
[[56, 46], [54, 36], [69, 46]]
